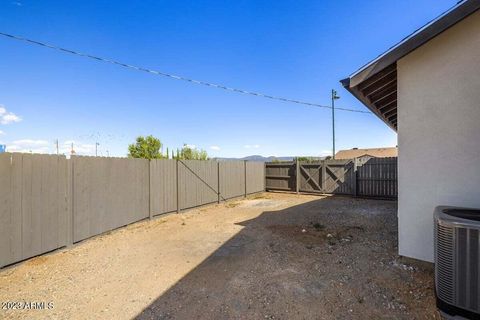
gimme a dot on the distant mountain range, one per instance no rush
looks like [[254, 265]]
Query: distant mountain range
[[260, 158]]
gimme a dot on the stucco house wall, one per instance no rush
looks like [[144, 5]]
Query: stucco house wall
[[438, 132]]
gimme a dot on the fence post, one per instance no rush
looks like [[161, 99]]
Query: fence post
[[324, 175], [178, 188], [218, 182], [71, 212], [150, 215], [149, 189], [297, 175], [355, 177], [245, 175], [265, 175]]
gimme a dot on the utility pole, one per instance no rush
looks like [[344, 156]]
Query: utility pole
[[334, 97], [96, 148]]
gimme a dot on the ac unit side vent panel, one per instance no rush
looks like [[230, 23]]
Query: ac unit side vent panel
[[457, 260], [444, 266]]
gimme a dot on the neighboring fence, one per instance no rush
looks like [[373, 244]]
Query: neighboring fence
[[255, 173], [201, 182], [198, 183], [232, 179], [33, 205], [47, 201], [376, 177], [108, 193], [163, 186]]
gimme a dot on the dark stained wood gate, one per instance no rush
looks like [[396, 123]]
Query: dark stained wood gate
[[375, 177], [329, 176]]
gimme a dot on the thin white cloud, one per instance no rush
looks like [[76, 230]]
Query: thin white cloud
[[7, 117], [30, 142], [44, 146], [216, 148], [191, 146], [1, 133], [251, 146], [29, 146], [16, 148]]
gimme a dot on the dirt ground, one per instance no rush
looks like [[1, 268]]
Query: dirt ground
[[271, 256]]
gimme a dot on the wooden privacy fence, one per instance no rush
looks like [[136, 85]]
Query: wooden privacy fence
[[34, 206], [183, 184], [48, 201], [375, 177], [108, 193]]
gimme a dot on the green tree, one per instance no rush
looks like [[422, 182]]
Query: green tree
[[188, 153], [145, 147], [304, 159]]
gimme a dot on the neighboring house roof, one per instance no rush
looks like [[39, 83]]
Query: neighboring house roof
[[373, 152], [375, 84]]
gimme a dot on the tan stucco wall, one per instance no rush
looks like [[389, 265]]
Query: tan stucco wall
[[438, 132]]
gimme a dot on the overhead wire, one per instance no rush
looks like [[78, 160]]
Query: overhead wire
[[176, 77]]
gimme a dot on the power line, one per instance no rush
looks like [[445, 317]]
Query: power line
[[172, 76]]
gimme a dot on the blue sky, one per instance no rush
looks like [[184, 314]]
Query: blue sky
[[295, 49]]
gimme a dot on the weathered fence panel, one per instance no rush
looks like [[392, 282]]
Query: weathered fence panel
[[232, 179], [375, 177], [255, 177], [108, 193], [198, 183], [280, 176], [339, 176], [47, 201], [33, 205], [311, 177], [163, 186]]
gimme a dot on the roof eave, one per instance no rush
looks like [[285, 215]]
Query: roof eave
[[346, 84], [357, 82]]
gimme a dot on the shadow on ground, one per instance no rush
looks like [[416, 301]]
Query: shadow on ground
[[331, 258]]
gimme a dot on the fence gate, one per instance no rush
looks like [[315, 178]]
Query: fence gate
[[326, 177], [375, 177]]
